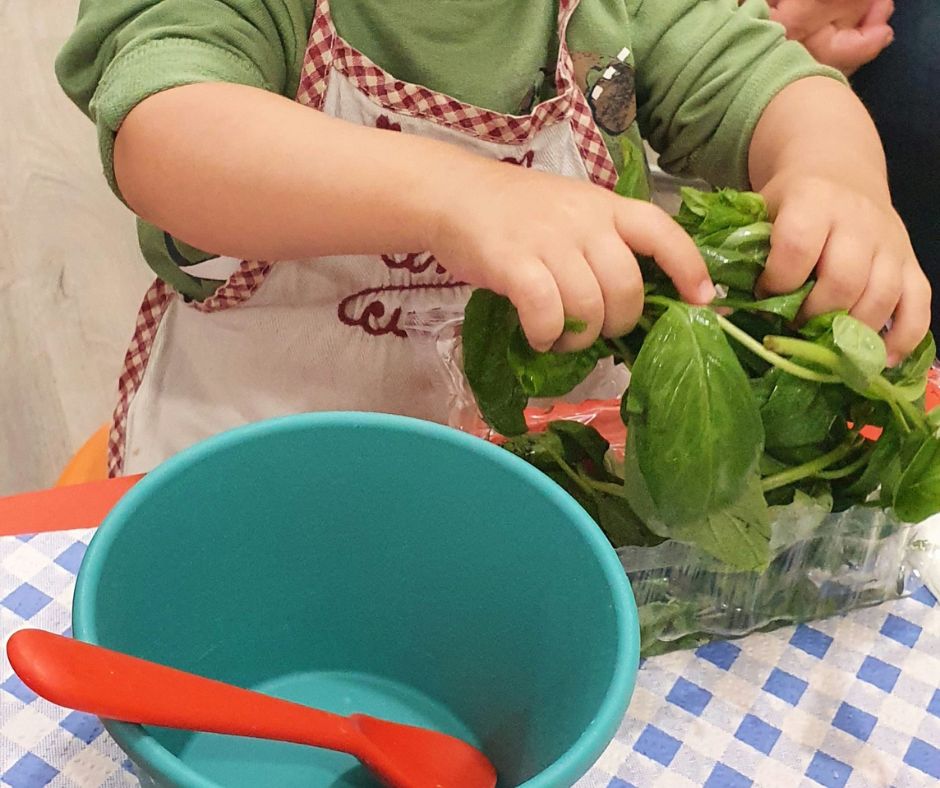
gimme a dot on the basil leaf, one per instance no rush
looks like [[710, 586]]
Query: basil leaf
[[504, 371], [786, 306], [733, 269], [580, 442], [703, 213], [738, 535], [884, 454], [917, 495], [753, 239], [910, 378], [546, 452], [691, 416], [820, 326], [620, 523], [551, 374], [575, 326], [863, 351], [758, 326], [798, 412], [490, 324], [633, 180], [541, 449]]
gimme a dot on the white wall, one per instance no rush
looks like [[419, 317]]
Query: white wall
[[70, 274]]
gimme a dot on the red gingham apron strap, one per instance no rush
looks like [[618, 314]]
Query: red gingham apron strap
[[315, 70], [152, 309], [591, 144], [239, 287]]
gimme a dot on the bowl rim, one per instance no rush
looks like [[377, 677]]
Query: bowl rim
[[144, 750]]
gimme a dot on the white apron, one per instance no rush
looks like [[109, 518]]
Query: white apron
[[327, 334]]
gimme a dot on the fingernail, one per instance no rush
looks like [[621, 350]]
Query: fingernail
[[893, 359], [889, 38], [706, 293]]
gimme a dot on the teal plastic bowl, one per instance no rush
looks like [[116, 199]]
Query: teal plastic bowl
[[371, 563]]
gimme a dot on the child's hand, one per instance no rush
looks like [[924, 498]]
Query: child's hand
[[559, 248], [860, 251]]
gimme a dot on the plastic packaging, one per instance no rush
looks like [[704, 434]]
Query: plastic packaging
[[824, 563], [851, 559]]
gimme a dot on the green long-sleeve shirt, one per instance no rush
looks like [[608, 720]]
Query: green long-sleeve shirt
[[704, 69]]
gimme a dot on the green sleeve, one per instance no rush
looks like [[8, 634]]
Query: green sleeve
[[706, 70], [123, 51]]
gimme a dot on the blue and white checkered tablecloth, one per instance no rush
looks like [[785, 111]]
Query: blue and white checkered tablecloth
[[851, 701]]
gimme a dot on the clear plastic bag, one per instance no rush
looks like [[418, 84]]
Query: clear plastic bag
[[824, 563], [851, 559]]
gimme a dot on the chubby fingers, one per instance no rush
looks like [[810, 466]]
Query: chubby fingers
[[912, 315], [796, 244], [650, 231]]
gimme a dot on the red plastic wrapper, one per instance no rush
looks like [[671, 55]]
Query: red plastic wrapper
[[604, 416]]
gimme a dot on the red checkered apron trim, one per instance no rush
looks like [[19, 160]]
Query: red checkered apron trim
[[327, 51], [154, 305], [239, 288]]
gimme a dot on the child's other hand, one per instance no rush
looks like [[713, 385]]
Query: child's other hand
[[559, 248], [860, 251]]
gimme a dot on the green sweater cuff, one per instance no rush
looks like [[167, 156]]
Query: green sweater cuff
[[153, 67], [778, 68]]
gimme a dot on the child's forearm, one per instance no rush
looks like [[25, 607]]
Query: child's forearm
[[238, 171], [818, 127]]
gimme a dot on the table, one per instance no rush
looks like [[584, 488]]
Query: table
[[852, 701]]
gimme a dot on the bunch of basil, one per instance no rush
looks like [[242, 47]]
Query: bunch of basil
[[735, 420]]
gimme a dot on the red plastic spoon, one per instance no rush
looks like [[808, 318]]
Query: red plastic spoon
[[120, 687]]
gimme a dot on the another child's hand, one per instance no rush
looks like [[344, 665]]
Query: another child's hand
[[860, 252], [844, 34], [559, 248]]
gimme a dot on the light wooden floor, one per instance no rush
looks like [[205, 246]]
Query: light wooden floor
[[70, 273]]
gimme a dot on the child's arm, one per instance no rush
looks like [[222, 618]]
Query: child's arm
[[817, 158], [239, 171]]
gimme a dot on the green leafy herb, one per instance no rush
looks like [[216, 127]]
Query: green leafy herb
[[490, 324], [740, 458], [786, 306], [711, 214], [696, 426], [504, 371], [910, 378], [550, 374], [862, 349], [575, 326], [917, 495], [819, 407], [738, 534]]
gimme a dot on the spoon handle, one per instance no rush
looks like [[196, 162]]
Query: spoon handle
[[116, 686]]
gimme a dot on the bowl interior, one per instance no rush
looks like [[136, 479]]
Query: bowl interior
[[367, 563]]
